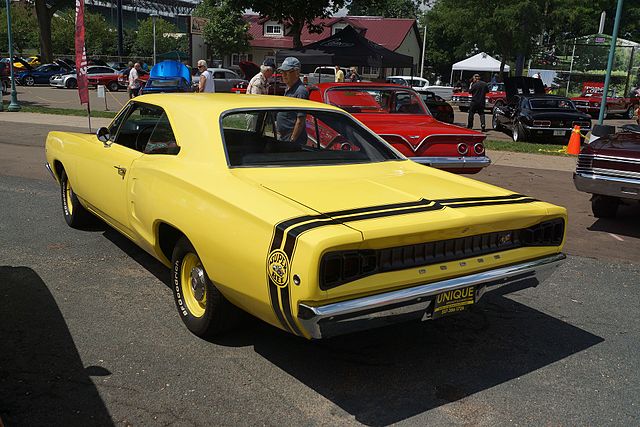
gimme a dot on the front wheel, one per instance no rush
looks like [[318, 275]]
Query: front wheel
[[29, 81], [202, 307], [75, 214], [113, 86], [71, 84], [604, 206], [494, 122], [630, 113]]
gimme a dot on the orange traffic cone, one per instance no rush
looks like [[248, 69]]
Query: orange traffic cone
[[574, 141]]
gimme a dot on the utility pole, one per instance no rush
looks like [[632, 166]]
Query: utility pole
[[120, 35], [612, 52], [424, 46]]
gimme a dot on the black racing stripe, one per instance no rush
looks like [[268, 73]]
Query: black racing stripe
[[280, 228], [293, 234], [275, 304], [502, 202], [286, 303], [421, 202], [478, 199]]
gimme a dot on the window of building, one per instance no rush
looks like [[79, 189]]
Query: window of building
[[338, 27], [236, 58], [273, 28]]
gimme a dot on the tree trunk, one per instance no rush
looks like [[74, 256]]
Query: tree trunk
[[519, 64], [502, 63], [296, 32], [44, 22]]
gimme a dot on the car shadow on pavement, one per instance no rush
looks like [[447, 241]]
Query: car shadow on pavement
[[42, 378], [388, 375], [625, 223]]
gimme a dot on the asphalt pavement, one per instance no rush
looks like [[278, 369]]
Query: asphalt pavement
[[90, 334]]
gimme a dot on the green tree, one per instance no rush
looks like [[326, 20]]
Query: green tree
[[24, 28], [386, 8], [294, 14], [226, 32], [99, 35], [167, 38]]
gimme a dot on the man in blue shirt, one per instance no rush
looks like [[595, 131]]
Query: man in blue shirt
[[292, 125]]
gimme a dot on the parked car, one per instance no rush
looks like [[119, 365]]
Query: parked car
[[497, 97], [398, 114], [70, 80], [32, 61], [320, 75], [41, 74], [224, 80], [438, 107], [168, 76], [609, 169], [313, 240], [123, 77], [589, 102], [531, 113]]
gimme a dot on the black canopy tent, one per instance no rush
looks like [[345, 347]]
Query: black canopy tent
[[347, 47]]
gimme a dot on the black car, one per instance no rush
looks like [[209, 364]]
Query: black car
[[531, 113], [438, 107]]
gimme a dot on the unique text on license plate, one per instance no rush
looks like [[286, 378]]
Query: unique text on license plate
[[454, 301]]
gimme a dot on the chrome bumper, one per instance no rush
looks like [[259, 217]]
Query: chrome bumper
[[626, 188], [454, 162], [416, 303]]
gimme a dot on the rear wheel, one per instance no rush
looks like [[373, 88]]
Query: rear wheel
[[202, 307], [29, 81], [630, 113], [518, 133], [604, 206], [75, 214], [113, 86], [71, 84]]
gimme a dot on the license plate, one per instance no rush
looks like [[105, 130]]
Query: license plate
[[558, 132], [454, 301]]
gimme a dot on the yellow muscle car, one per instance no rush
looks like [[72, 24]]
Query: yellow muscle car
[[295, 212]]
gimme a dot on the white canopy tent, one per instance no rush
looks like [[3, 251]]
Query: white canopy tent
[[479, 62]]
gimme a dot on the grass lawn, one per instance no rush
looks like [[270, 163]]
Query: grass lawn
[[527, 147], [61, 111]]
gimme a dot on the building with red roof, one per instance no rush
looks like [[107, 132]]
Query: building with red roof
[[268, 36]]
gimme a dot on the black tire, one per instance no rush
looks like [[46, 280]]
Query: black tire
[[204, 310], [71, 84], [518, 133], [604, 206], [29, 81], [494, 122], [74, 213], [464, 109], [113, 86], [629, 113]]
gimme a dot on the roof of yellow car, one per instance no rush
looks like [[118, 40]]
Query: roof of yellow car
[[219, 102]]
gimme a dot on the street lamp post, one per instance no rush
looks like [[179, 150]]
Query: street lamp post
[[13, 105], [153, 17]]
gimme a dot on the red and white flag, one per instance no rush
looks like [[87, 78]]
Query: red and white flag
[[81, 55]]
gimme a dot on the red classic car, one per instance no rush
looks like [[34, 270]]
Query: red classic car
[[609, 169], [496, 97], [398, 114], [117, 81], [591, 99]]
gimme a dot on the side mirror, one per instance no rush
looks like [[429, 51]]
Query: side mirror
[[104, 136]]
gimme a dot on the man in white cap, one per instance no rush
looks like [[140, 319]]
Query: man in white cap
[[258, 85], [291, 125]]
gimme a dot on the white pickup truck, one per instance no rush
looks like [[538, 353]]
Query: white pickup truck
[[322, 75]]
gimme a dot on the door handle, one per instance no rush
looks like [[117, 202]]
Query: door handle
[[121, 171]]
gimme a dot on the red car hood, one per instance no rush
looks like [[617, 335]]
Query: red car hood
[[622, 144], [410, 124], [588, 98]]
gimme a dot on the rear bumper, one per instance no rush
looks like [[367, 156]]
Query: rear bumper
[[417, 302], [454, 162], [625, 188]]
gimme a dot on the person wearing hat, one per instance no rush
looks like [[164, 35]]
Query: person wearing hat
[[291, 125], [258, 85], [478, 91]]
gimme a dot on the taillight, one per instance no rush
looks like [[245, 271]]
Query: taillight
[[478, 149], [463, 148], [341, 267]]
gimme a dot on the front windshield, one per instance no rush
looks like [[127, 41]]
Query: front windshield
[[377, 100], [497, 87], [541, 103], [296, 137]]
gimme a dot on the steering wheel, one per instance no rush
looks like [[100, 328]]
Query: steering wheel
[[141, 142]]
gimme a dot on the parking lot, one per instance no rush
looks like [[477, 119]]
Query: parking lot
[[91, 335]]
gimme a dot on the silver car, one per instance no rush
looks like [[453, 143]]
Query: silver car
[[224, 79], [70, 80]]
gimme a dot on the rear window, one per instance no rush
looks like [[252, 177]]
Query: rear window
[[164, 83], [377, 100], [295, 137], [561, 104]]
